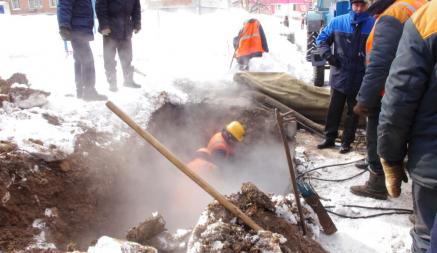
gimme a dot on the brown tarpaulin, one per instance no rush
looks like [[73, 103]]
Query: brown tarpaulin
[[309, 100]]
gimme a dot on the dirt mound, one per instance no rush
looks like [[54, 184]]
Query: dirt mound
[[61, 201], [219, 231]]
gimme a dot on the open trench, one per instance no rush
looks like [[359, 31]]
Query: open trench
[[105, 190]]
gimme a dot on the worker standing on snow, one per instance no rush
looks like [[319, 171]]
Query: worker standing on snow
[[117, 20], [381, 49], [348, 33], [220, 147], [250, 42], [76, 22], [408, 121]]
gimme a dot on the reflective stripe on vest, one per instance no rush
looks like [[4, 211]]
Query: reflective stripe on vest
[[250, 40]]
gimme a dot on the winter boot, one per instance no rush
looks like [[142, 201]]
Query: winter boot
[[112, 80], [129, 80], [90, 94], [373, 188], [131, 84], [79, 91], [363, 164], [327, 143]]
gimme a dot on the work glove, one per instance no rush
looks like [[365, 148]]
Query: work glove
[[394, 175], [361, 110], [105, 31], [65, 33], [333, 61]]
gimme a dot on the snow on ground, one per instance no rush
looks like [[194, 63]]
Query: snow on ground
[[175, 46], [170, 46]]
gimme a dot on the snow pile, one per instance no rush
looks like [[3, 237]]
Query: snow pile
[[219, 231], [107, 244]]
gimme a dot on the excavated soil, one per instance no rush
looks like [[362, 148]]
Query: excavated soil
[[233, 234]]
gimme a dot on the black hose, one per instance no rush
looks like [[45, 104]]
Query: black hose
[[367, 216], [327, 166], [395, 211], [337, 180]]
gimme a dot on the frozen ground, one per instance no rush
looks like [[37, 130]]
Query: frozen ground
[[175, 46]]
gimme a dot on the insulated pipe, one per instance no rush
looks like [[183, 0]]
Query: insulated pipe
[[182, 167]]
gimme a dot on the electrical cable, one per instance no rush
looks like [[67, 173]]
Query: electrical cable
[[336, 180], [327, 166], [366, 216], [395, 211]]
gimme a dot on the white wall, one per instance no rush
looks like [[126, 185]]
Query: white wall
[[6, 7]]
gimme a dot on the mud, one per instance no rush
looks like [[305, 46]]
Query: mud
[[234, 236]]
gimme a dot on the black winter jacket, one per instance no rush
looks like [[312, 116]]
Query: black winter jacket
[[121, 16], [408, 119]]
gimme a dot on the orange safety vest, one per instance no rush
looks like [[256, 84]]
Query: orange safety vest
[[250, 39], [404, 9], [216, 143]]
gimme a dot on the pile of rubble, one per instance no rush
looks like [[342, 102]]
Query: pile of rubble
[[219, 231], [15, 93]]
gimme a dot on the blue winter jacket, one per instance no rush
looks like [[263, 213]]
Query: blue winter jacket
[[348, 33], [78, 15]]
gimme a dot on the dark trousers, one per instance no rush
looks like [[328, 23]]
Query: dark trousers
[[84, 72], [425, 208], [433, 248], [124, 48], [372, 137], [335, 112]]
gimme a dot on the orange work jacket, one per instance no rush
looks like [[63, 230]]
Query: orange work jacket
[[216, 143], [250, 40], [402, 11]]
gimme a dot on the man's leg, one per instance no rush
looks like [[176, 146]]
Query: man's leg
[[350, 125], [125, 54], [425, 208], [109, 51], [76, 45], [375, 184], [88, 74], [333, 118], [372, 137]]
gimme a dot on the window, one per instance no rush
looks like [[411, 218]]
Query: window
[[15, 4], [35, 4], [53, 3]]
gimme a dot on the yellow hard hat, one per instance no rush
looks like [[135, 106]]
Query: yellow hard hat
[[236, 129]]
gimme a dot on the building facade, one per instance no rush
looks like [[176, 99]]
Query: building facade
[[32, 6]]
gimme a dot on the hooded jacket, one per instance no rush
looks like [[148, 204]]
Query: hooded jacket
[[348, 33], [408, 119], [381, 49]]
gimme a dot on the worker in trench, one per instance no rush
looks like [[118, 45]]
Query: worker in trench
[[219, 149]]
